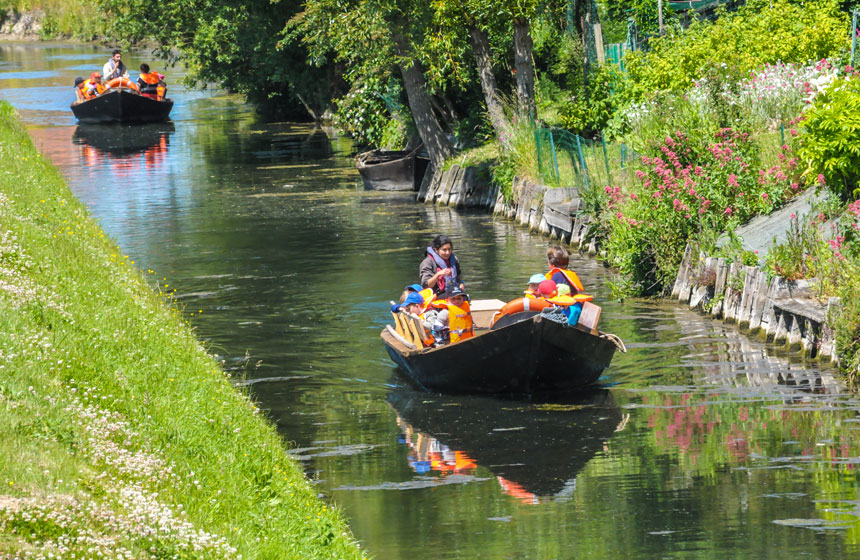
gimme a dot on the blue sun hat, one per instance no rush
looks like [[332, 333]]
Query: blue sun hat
[[413, 298], [537, 278], [414, 287]]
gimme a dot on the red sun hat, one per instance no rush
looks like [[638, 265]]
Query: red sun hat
[[547, 287]]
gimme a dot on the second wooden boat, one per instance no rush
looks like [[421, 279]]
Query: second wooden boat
[[385, 170]]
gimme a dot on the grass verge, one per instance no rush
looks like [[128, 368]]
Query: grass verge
[[122, 436]]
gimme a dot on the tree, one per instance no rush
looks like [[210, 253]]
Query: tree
[[236, 44], [364, 34]]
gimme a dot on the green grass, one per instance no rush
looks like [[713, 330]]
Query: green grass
[[120, 432]]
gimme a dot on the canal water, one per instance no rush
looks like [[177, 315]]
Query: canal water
[[699, 443]]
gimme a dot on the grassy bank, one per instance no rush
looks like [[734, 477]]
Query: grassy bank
[[121, 434]]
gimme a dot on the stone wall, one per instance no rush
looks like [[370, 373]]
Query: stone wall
[[21, 25], [459, 187], [527, 209], [780, 311]]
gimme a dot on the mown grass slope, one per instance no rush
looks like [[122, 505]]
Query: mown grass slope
[[121, 434]]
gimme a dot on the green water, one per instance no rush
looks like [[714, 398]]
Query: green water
[[700, 443]]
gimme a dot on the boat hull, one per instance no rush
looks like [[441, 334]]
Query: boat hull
[[391, 171], [529, 356], [122, 106]]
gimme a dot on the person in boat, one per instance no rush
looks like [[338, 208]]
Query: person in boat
[[451, 319], [534, 284], [151, 84], [114, 68], [94, 86], [557, 261], [79, 89], [440, 269], [560, 296]]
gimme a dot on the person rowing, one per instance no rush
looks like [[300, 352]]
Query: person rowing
[[440, 269]]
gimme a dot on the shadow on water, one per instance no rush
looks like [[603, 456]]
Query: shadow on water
[[535, 450]]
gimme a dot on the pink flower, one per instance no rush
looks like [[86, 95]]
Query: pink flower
[[821, 179], [728, 210], [733, 180]]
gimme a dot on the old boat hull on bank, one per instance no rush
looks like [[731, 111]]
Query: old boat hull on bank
[[383, 170], [528, 356], [122, 106]]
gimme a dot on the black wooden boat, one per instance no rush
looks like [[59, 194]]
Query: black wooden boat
[[390, 170], [525, 353], [122, 105], [534, 449]]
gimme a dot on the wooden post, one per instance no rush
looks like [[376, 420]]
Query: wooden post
[[660, 16]]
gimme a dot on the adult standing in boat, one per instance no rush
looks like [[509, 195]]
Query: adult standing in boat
[[114, 68], [440, 269]]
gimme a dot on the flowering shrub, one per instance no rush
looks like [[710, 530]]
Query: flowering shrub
[[689, 191]]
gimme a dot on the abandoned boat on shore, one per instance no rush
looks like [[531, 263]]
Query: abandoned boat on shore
[[122, 105], [526, 353], [392, 170]]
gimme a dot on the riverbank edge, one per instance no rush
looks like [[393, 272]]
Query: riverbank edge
[[120, 430], [780, 312]]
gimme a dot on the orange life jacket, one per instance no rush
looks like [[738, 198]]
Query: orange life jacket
[[566, 301], [90, 92], [571, 276], [460, 326]]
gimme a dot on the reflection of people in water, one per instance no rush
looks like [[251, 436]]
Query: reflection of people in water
[[427, 453]]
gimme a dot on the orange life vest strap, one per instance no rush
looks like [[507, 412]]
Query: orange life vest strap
[[569, 274]]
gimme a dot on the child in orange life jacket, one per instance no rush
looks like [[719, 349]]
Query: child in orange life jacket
[[550, 290], [534, 283], [441, 318], [79, 92]]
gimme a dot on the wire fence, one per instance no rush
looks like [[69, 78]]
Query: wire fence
[[565, 159]]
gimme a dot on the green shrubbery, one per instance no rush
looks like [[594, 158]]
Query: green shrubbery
[[760, 32], [831, 143]]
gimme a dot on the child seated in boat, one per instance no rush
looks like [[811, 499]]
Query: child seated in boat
[[79, 91], [451, 319], [94, 86], [534, 283], [559, 295]]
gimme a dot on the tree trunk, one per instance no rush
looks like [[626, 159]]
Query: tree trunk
[[525, 70], [481, 50], [438, 146], [589, 41]]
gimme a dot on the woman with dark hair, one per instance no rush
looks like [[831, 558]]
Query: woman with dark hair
[[440, 269]]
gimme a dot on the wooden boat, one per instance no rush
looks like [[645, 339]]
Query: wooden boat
[[388, 170], [122, 105], [535, 451], [524, 353]]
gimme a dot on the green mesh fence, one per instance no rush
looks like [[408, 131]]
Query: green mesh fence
[[568, 160]]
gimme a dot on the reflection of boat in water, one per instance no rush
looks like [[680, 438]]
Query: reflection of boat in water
[[523, 353], [124, 140], [534, 450], [388, 170], [122, 105]]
